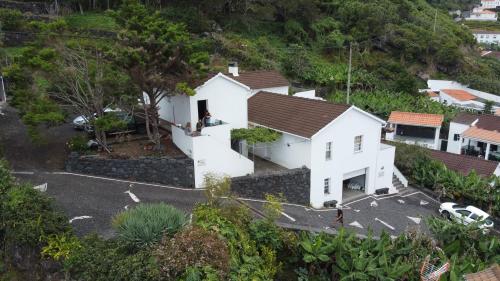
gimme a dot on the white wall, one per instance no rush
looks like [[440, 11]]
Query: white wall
[[311, 94], [455, 146], [220, 133], [289, 151], [487, 38], [176, 110], [183, 141], [385, 168], [341, 133], [227, 101]]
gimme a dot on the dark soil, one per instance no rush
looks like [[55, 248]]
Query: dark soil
[[141, 146]]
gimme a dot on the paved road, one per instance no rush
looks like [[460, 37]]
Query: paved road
[[101, 198]]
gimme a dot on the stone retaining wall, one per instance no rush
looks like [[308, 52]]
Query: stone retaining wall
[[36, 8], [169, 171], [294, 184]]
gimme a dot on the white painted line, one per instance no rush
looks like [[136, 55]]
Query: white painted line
[[423, 202], [356, 224], [79, 218], [384, 223], [126, 207], [400, 201], [126, 181], [415, 220], [289, 217], [191, 218], [356, 210], [393, 237], [134, 198], [22, 173], [373, 204], [41, 188]]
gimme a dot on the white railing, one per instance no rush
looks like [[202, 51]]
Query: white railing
[[400, 177]]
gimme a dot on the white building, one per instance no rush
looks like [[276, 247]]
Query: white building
[[477, 135], [455, 94], [490, 4], [481, 14], [421, 129], [339, 144], [486, 36]]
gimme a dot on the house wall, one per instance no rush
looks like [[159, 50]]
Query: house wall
[[341, 132], [385, 167], [289, 151], [487, 38], [227, 101], [455, 146], [176, 110]]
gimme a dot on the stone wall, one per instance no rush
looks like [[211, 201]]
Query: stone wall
[[169, 171], [294, 184], [36, 8]]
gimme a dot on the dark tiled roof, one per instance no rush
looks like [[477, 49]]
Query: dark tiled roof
[[490, 274], [299, 116], [486, 121], [261, 79], [465, 163]]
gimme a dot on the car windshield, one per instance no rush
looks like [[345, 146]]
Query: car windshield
[[488, 222], [474, 217]]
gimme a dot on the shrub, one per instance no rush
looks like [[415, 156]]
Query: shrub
[[193, 247], [294, 32], [78, 144], [101, 260], [145, 224], [11, 19]]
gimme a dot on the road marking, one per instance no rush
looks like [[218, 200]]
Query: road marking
[[356, 224], [79, 218], [126, 181], [423, 202], [134, 198], [356, 210], [126, 207], [289, 217], [416, 220], [41, 188], [191, 218], [373, 204], [401, 201], [22, 173], [393, 237], [384, 223]]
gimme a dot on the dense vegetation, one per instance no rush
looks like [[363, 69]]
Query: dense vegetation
[[223, 242]]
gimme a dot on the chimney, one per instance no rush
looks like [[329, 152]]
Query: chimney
[[232, 68]]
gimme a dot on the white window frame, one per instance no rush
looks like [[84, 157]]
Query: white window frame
[[326, 186], [328, 151], [358, 147]]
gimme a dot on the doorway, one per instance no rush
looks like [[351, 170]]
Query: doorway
[[202, 108]]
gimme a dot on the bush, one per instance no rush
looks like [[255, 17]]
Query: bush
[[11, 19], [101, 260], [145, 224], [294, 33], [193, 247], [78, 144]]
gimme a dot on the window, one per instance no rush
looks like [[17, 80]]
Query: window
[[456, 137], [327, 186], [328, 152], [358, 143], [464, 213]]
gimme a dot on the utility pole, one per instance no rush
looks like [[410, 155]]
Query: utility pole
[[349, 73], [435, 21]]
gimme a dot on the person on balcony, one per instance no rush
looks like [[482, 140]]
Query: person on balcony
[[207, 119]]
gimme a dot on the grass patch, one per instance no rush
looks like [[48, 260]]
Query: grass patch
[[97, 21], [12, 52], [492, 26]]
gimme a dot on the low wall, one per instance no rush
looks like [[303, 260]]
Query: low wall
[[294, 184], [26, 7], [169, 171]]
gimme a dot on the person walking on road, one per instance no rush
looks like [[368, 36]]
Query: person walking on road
[[340, 217]]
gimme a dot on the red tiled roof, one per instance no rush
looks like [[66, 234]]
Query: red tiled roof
[[464, 164], [295, 115], [432, 94], [482, 134], [460, 95], [489, 274], [416, 119]]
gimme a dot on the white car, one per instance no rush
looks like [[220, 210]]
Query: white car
[[81, 122], [466, 214]]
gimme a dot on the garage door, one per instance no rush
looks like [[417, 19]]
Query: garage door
[[354, 174]]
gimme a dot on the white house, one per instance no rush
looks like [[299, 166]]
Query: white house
[[421, 129], [490, 4], [340, 144], [477, 135], [453, 93], [481, 14], [486, 36]]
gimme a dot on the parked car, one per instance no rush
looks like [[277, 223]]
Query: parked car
[[82, 122], [466, 214]]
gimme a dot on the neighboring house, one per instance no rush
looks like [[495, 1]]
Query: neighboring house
[[491, 54], [489, 274], [339, 143], [481, 14], [477, 135], [453, 93], [433, 96], [421, 129], [465, 164], [490, 4], [486, 36]]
